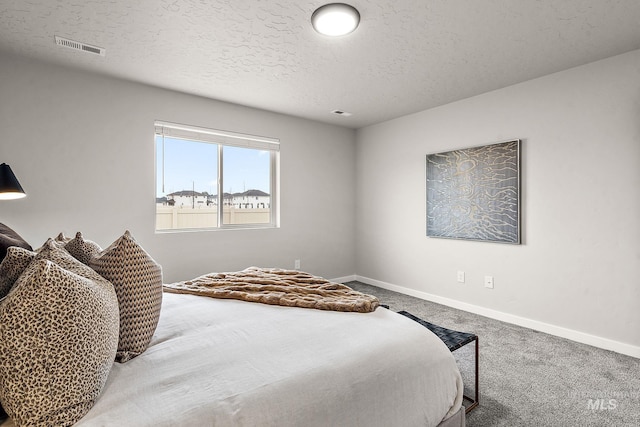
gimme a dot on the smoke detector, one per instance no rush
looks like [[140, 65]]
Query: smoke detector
[[340, 113], [82, 47]]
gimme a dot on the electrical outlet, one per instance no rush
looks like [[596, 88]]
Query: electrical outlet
[[297, 264], [461, 276], [488, 282]]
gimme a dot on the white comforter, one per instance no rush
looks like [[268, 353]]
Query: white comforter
[[232, 363]]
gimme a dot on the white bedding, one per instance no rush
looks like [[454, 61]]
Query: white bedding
[[231, 363]]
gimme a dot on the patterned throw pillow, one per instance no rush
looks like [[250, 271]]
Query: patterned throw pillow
[[52, 251], [58, 339], [137, 279], [17, 260], [82, 250], [12, 266], [9, 238], [62, 238]]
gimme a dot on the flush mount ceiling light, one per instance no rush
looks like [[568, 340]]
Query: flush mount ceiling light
[[335, 19]]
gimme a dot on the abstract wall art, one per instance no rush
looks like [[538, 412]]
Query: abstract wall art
[[474, 193]]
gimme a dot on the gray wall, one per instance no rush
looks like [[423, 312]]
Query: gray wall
[[82, 146], [577, 272]]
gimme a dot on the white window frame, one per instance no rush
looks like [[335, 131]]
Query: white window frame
[[224, 138]]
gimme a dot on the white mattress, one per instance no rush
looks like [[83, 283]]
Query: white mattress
[[231, 363]]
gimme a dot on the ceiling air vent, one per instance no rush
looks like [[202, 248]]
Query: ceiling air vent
[[83, 47]]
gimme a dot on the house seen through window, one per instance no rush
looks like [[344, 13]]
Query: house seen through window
[[210, 179]]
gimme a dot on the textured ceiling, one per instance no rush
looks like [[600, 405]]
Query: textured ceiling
[[406, 56]]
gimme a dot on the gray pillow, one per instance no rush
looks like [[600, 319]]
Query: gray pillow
[[58, 339], [137, 279]]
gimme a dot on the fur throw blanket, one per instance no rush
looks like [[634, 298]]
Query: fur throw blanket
[[278, 287]]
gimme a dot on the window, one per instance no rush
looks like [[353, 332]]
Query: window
[[204, 178]]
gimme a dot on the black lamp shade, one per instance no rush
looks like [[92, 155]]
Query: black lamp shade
[[10, 188]]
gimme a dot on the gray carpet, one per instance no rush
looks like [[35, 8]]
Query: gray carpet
[[530, 378]]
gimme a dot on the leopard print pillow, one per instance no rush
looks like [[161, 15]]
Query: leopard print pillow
[[12, 266], [137, 279], [16, 261], [58, 339], [62, 238], [52, 251], [81, 249], [9, 238]]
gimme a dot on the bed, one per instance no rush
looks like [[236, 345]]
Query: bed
[[224, 362], [233, 363]]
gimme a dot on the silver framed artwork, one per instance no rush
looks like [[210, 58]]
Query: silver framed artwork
[[474, 193]]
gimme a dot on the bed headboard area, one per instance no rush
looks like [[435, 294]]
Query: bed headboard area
[[87, 338], [68, 310], [9, 238]]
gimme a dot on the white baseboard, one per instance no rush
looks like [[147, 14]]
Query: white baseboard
[[344, 279], [581, 337]]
